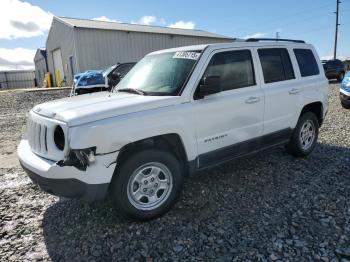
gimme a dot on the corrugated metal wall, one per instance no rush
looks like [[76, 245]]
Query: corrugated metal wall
[[61, 36], [84, 48], [98, 48], [40, 68], [17, 79]]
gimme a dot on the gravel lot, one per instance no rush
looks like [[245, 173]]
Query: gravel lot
[[267, 207]]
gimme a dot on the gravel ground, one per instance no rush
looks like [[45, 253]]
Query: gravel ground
[[267, 207]]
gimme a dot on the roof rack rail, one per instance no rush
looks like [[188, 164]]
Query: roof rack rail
[[274, 39]]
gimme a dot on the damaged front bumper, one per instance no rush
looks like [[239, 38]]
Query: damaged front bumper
[[68, 181]]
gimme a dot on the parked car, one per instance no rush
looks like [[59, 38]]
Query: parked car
[[334, 69], [100, 80], [77, 76], [345, 91], [178, 111]]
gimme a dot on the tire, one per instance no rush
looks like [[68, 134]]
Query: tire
[[302, 143], [135, 199], [340, 77], [344, 105]]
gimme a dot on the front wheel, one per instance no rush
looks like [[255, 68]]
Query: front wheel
[[304, 137], [147, 185]]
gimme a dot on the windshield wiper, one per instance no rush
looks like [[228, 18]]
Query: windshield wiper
[[132, 90]]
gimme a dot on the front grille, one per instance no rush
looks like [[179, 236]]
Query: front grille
[[37, 137], [40, 136]]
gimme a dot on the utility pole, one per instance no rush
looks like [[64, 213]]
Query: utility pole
[[336, 30], [277, 35]]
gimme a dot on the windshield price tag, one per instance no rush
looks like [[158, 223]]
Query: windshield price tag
[[187, 55]]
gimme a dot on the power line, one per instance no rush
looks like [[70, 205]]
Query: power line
[[295, 15], [296, 22], [323, 28]]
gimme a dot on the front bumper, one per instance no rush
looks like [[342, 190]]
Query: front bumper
[[70, 188], [344, 97], [68, 181]]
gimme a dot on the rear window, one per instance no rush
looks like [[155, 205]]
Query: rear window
[[276, 64], [335, 63], [307, 62]]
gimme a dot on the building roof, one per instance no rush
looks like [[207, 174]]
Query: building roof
[[85, 23], [40, 53]]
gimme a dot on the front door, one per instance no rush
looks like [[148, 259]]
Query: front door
[[228, 123]]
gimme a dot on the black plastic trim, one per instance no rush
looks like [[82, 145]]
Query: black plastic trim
[[345, 99], [70, 188], [275, 39], [222, 155]]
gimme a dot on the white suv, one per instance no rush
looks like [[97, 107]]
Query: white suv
[[176, 112]]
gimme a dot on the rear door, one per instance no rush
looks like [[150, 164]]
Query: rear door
[[312, 83], [279, 87]]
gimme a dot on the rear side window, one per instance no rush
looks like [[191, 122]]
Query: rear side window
[[235, 69], [276, 64], [307, 62]]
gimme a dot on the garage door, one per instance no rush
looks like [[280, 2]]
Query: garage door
[[57, 63]]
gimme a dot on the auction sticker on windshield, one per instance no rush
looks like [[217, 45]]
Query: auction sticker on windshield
[[187, 55]]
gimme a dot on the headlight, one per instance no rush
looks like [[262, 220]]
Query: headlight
[[58, 137], [79, 158], [85, 156]]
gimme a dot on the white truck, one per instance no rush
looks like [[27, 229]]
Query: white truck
[[176, 112]]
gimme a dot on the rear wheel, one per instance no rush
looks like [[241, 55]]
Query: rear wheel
[[304, 137], [340, 77], [147, 185]]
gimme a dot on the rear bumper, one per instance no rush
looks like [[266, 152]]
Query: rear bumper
[[345, 99], [344, 96], [68, 181], [332, 73]]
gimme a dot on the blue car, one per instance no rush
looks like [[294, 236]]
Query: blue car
[[100, 80], [345, 91], [77, 76]]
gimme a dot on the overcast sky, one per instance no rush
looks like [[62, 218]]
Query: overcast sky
[[25, 24]]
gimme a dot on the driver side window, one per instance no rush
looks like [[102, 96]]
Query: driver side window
[[235, 69]]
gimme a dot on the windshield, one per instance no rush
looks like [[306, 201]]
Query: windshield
[[160, 74], [107, 70]]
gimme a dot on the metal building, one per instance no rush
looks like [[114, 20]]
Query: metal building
[[76, 45], [40, 62], [17, 79]]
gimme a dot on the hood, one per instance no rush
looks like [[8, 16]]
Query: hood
[[87, 108]]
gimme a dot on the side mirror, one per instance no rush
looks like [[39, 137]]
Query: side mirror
[[115, 77], [209, 85]]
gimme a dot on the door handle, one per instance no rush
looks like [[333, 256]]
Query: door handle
[[252, 100], [294, 91]]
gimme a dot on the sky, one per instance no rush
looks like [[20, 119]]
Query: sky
[[25, 24]]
